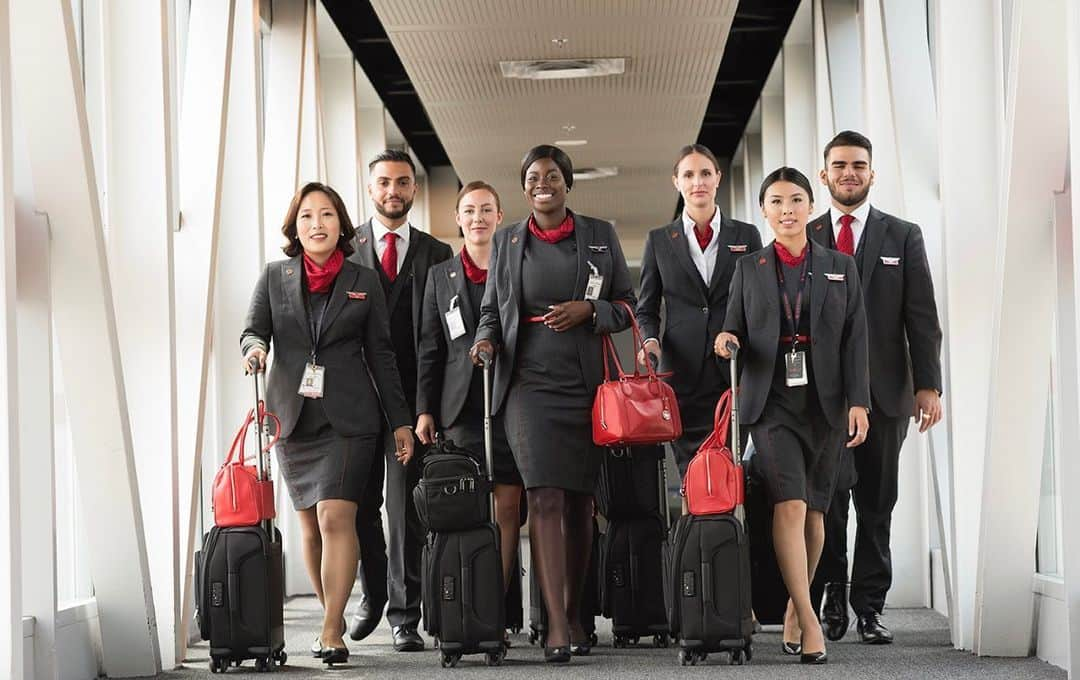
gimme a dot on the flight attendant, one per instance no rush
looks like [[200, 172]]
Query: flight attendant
[[796, 311], [554, 280], [450, 389], [688, 266]]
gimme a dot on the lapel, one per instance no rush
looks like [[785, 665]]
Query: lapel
[[583, 236], [820, 231], [726, 237], [680, 246], [765, 266], [416, 253], [364, 244], [345, 281], [515, 254], [820, 262], [292, 281], [455, 279], [875, 227]]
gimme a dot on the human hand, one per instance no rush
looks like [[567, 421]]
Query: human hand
[[650, 348], [403, 444], [927, 409], [720, 346], [567, 315], [256, 356], [425, 428], [858, 425], [479, 350]]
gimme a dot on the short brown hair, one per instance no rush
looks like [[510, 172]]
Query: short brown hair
[[849, 138], [477, 185], [348, 231]]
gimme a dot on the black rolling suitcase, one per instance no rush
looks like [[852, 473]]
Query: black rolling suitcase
[[462, 578], [769, 593], [630, 492], [239, 587], [590, 601], [707, 584]]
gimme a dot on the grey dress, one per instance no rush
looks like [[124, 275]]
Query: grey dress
[[548, 416]]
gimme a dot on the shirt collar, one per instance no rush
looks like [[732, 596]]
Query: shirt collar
[[688, 224], [860, 214], [379, 230]]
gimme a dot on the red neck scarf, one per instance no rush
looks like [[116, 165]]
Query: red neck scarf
[[319, 279], [472, 270], [789, 259], [553, 235]]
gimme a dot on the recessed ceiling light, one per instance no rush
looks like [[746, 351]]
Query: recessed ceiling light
[[594, 173], [553, 69], [560, 42], [568, 128], [570, 142]]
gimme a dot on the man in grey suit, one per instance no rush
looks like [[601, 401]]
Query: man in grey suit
[[905, 381], [402, 255]]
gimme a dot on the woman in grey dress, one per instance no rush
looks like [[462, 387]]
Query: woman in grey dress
[[327, 321], [555, 278]]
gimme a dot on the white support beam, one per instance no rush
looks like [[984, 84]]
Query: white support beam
[[207, 70], [843, 43], [372, 134], [773, 139], [337, 80], [1036, 144], [48, 91], [755, 174], [312, 160], [141, 210], [826, 126], [11, 636], [281, 146], [800, 114]]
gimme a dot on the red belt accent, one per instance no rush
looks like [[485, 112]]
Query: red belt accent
[[534, 319], [804, 339]]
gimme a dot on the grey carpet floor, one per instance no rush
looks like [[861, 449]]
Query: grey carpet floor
[[921, 650]]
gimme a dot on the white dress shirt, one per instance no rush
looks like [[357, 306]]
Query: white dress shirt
[[860, 214], [704, 260], [379, 230]]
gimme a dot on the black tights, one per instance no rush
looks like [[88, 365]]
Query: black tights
[[560, 531]]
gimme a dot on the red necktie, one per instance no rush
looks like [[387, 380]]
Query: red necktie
[[845, 240], [389, 256], [703, 232]]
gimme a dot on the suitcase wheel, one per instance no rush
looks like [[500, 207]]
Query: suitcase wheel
[[515, 630], [533, 637], [282, 657], [263, 664], [496, 658], [618, 641], [217, 665], [688, 657], [594, 639], [450, 660], [736, 658], [660, 640]]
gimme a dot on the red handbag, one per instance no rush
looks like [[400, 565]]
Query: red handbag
[[714, 481], [240, 498], [634, 408]]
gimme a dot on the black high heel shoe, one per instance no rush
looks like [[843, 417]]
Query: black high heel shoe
[[557, 654], [581, 648], [814, 658], [791, 648], [332, 655]]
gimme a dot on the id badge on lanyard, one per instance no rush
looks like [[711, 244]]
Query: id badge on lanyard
[[311, 383], [595, 284], [454, 323], [795, 360], [795, 363]]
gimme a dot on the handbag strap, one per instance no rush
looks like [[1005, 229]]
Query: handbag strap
[[608, 348], [236, 450]]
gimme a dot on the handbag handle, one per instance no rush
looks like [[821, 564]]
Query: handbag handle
[[240, 439], [608, 348]]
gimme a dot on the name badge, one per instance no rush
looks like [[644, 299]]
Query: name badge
[[311, 385], [738, 248], [598, 248], [891, 261], [595, 284], [834, 277], [795, 375], [454, 322]]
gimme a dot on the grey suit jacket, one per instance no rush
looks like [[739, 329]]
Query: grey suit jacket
[[444, 370], [424, 251], [694, 311], [901, 313], [837, 332], [500, 313], [354, 347]]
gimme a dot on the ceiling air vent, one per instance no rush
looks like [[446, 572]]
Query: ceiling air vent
[[554, 69], [581, 174]]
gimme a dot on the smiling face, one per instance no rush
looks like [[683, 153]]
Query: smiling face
[[787, 208], [696, 178], [317, 225], [392, 189], [545, 186], [478, 215], [848, 175]]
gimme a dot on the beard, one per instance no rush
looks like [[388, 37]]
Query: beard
[[849, 199], [406, 206]]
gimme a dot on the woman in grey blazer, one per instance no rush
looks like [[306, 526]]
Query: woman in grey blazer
[[555, 278], [327, 322], [797, 313]]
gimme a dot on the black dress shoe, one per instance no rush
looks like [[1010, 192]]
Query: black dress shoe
[[557, 654], [791, 648], [834, 612], [365, 619], [335, 655], [406, 639], [872, 631], [814, 658]]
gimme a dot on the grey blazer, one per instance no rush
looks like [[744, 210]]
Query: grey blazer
[[354, 347], [901, 313], [444, 370], [694, 312], [837, 332], [500, 312]]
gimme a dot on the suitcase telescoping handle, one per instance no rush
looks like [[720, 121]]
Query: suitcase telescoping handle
[[489, 444], [736, 440], [262, 458]]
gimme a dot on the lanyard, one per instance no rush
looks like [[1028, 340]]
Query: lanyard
[[315, 326], [793, 317]]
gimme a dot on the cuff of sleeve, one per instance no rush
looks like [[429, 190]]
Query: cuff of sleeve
[[254, 343]]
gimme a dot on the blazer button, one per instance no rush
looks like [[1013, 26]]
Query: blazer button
[[704, 310]]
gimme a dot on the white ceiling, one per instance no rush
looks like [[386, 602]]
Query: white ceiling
[[636, 121]]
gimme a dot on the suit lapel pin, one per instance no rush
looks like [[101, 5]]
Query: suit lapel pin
[[288, 272], [363, 240], [817, 228], [761, 260], [514, 239], [453, 274], [674, 234]]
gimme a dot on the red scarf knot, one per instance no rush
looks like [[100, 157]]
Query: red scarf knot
[[319, 279], [553, 235], [472, 270], [789, 259]]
